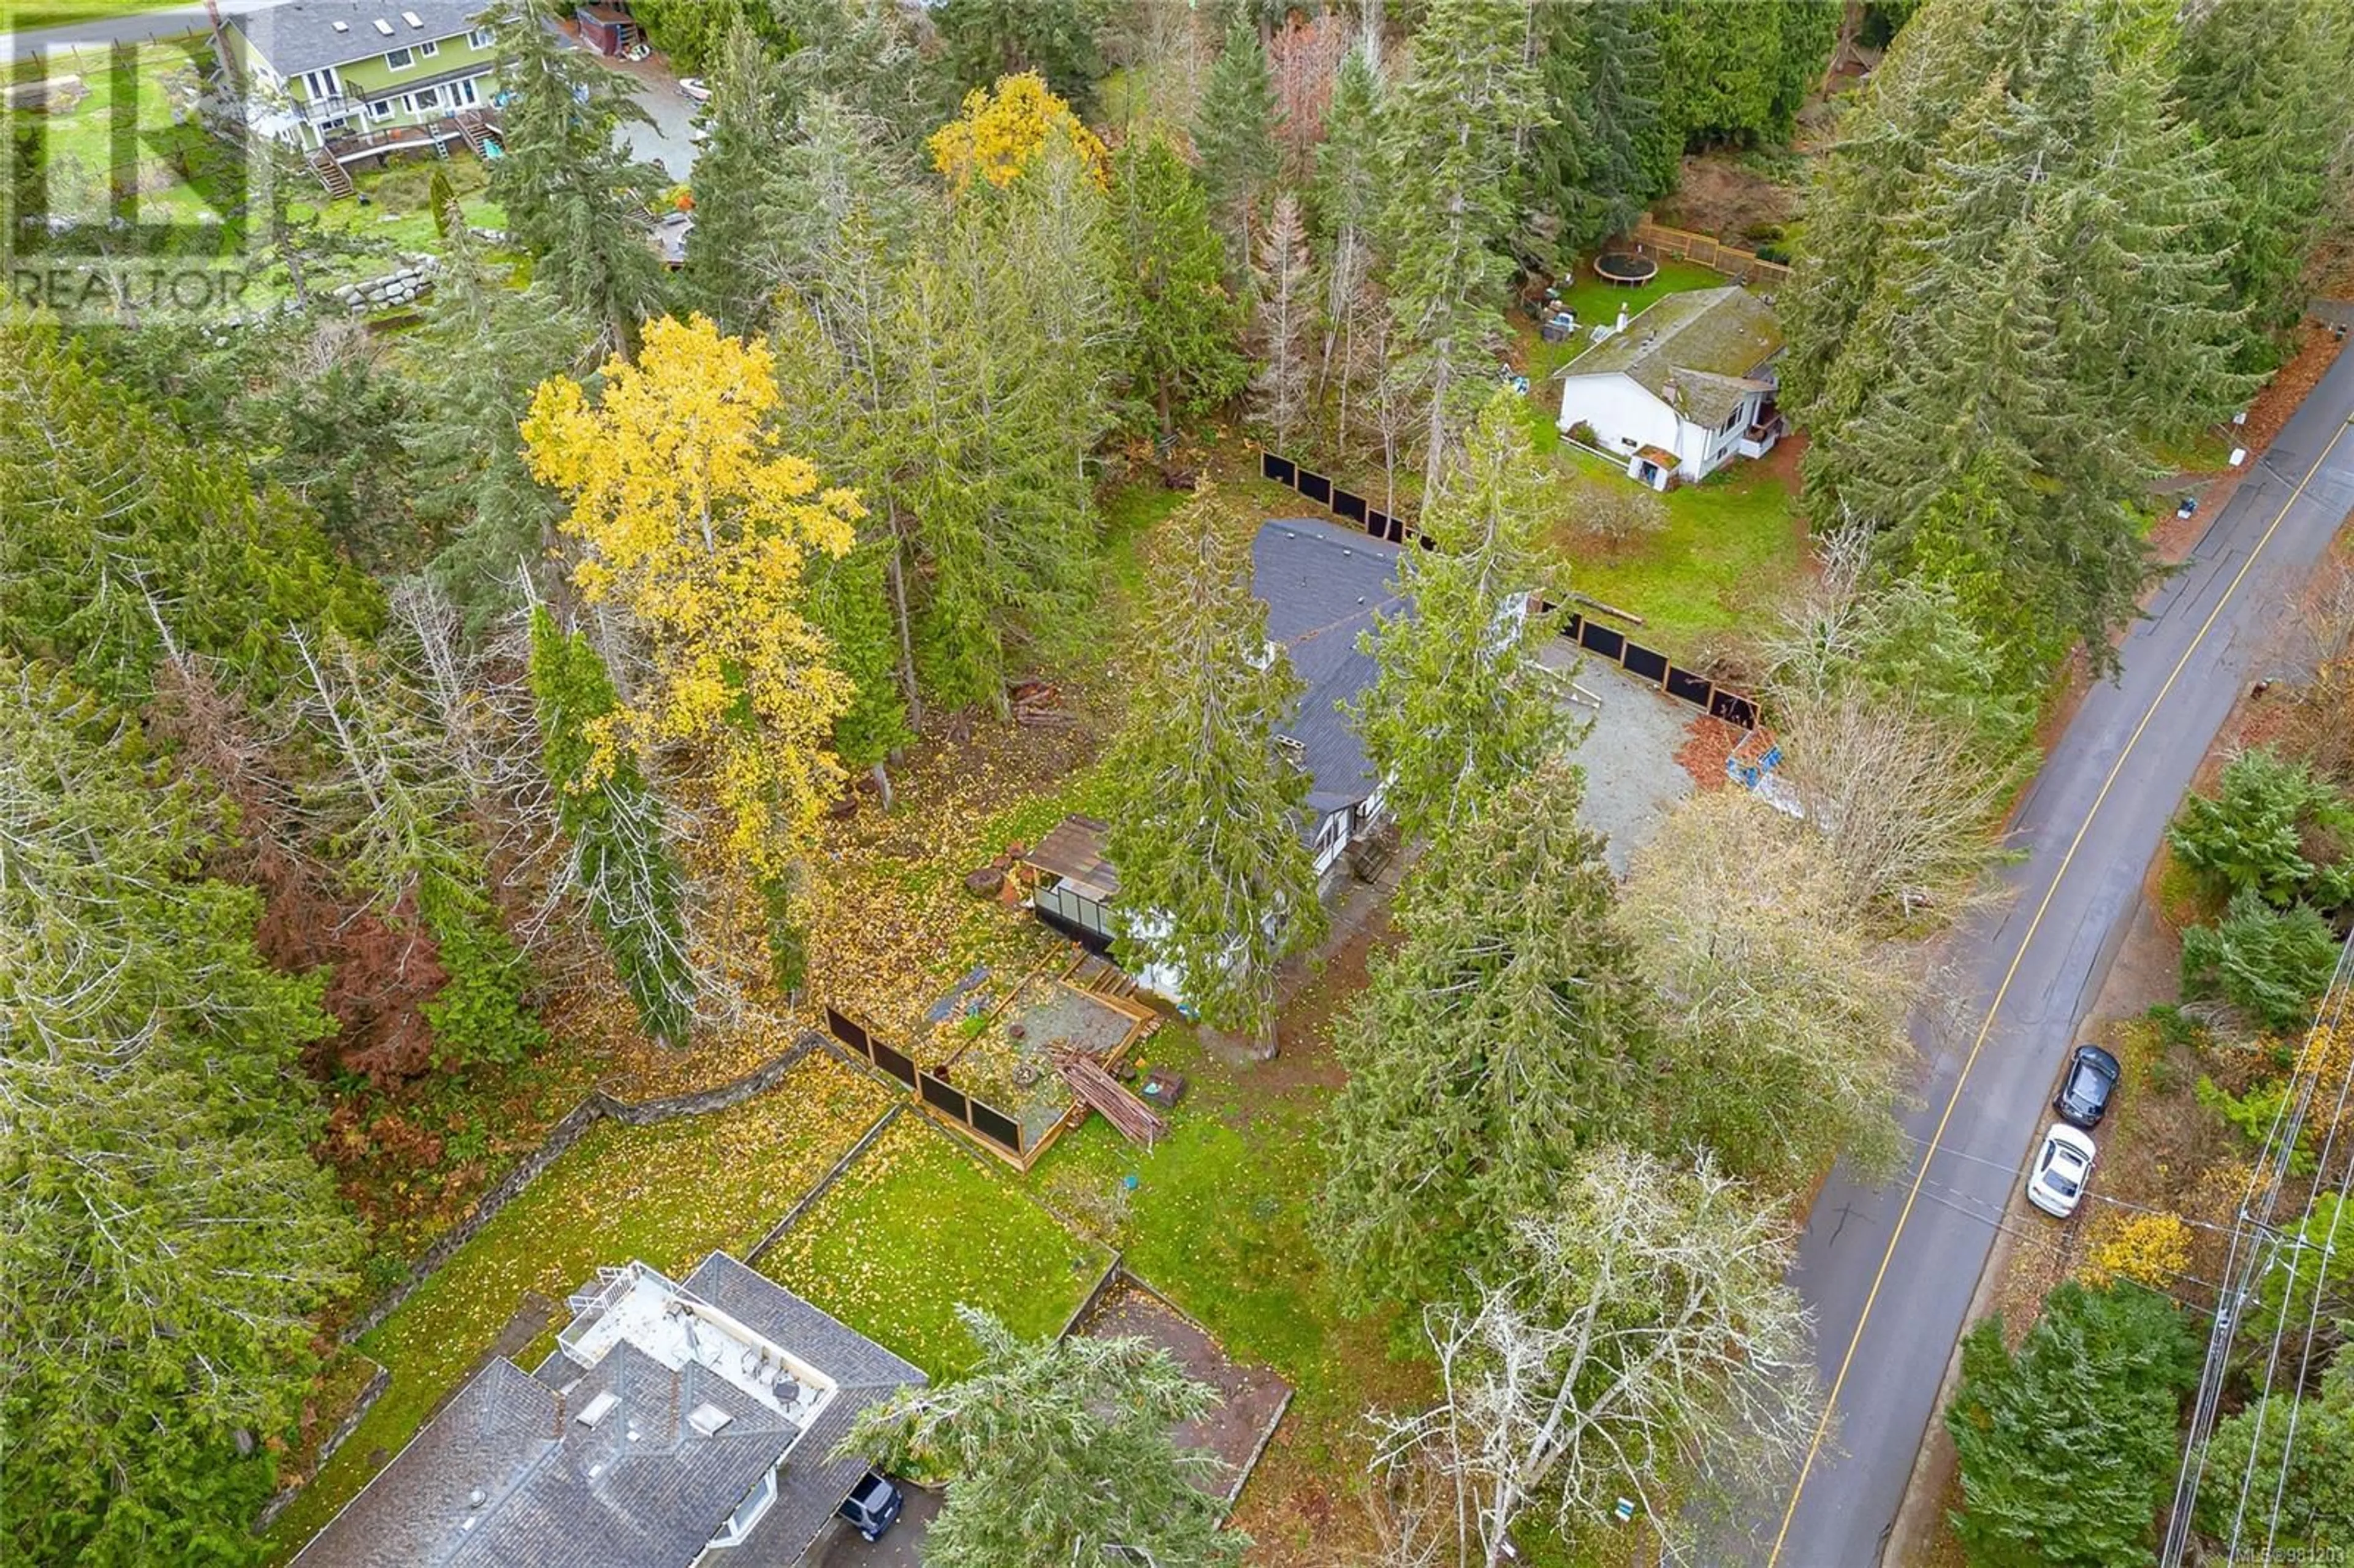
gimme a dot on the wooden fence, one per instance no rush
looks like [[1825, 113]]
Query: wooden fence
[[1648, 664], [999, 1132], [1683, 246]]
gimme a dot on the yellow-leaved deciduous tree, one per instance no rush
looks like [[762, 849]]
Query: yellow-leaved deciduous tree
[[2151, 1249], [1001, 129], [696, 524]]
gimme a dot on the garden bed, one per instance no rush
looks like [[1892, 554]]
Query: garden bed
[[1251, 1398], [1009, 1061]]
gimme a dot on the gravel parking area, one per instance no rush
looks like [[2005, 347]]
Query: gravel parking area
[[1632, 778]]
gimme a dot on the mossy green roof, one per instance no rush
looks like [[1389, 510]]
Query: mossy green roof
[[1698, 351]]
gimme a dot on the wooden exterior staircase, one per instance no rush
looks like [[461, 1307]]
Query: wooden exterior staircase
[[331, 174], [477, 129], [1101, 977]]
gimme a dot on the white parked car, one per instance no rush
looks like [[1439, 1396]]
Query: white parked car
[[2055, 1182], [695, 87]]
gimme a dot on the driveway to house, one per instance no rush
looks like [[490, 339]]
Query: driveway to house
[[665, 142], [1889, 1270], [902, 1546]]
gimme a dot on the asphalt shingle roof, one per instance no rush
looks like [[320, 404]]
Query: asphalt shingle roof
[[814, 1484], [300, 35], [558, 1494], [1322, 585], [1698, 351]]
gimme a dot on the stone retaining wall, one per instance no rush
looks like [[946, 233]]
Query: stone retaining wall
[[350, 1424], [405, 285]]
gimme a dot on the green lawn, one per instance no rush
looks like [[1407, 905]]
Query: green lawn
[[162, 84], [1593, 302], [1222, 1222], [917, 1226], [667, 1194], [1730, 553]]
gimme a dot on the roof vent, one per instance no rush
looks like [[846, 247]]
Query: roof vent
[[597, 1409], [384, 27], [708, 1418], [475, 1498], [342, 26]]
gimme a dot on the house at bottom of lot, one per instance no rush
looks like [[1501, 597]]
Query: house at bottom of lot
[[1683, 388], [676, 1423], [359, 79], [1322, 586]]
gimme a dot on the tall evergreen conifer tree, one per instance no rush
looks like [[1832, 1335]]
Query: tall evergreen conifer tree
[[1214, 877], [1452, 130], [1509, 1030], [1233, 137]]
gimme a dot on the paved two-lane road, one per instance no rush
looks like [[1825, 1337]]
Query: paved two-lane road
[[1889, 1270]]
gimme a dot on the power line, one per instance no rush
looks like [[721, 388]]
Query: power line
[[2254, 1249]]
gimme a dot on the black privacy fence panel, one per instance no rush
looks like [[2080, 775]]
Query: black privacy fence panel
[[895, 1063], [1602, 642], [1649, 662], [1687, 687], [937, 1093], [940, 1095], [996, 1127], [849, 1033]]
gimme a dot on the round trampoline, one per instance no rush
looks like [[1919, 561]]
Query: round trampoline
[[1625, 268]]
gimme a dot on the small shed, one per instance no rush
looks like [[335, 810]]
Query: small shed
[[1073, 881], [607, 28]]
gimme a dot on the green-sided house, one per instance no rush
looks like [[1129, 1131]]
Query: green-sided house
[[354, 81]]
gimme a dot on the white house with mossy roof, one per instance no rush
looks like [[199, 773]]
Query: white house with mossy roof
[[1681, 389]]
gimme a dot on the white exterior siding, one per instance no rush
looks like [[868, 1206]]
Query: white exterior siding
[[1624, 414], [1626, 417]]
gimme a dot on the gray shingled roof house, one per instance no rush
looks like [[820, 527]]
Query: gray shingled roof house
[[676, 1423], [1322, 585], [1682, 388]]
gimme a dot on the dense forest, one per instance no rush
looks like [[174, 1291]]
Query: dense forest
[[377, 692]]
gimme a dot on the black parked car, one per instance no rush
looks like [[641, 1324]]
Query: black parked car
[[873, 1506], [2085, 1092]]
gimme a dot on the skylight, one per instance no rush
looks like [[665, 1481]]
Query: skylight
[[595, 1410], [343, 26], [384, 27], [708, 1418], [412, 18]]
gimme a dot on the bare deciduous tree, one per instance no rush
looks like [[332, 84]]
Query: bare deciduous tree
[[1907, 810], [1285, 311], [1646, 1347], [1303, 57], [1785, 1019]]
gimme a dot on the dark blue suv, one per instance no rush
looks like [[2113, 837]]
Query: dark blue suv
[[873, 1506], [2087, 1090]]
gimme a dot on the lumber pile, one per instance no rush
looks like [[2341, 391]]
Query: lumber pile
[[1136, 1122]]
